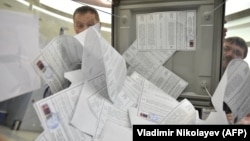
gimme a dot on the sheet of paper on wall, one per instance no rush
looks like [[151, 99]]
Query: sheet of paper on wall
[[166, 30], [56, 111], [234, 89], [19, 45], [100, 57], [153, 103], [62, 54], [146, 62]]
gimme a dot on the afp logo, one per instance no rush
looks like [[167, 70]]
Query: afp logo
[[234, 133]]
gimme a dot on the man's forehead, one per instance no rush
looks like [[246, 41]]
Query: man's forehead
[[232, 45], [85, 14], [85, 17]]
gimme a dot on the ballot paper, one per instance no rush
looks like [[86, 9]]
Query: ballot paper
[[44, 136], [157, 107], [146, 62], [100, 57], [114, 132], [62, 54], [166, 30], [149, 65], [136, 120], [129, 95], [19, 45], [183, 113], [103, 72], [87, 114], [94, 109], [234, 89], [75, 76], [168, 81], [55, 113], [153, 104]]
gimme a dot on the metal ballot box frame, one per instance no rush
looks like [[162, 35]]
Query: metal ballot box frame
[[199, 68]]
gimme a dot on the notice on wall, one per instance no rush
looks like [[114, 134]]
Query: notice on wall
[[166, 30]]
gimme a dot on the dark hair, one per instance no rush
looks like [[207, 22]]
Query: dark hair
[[239, 42], [86, 9]]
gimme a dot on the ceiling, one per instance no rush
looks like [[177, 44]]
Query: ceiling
[[237, 15], [52, 19], [101, 3]]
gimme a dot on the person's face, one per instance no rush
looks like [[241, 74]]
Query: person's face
[[231, 51], [83, 21]]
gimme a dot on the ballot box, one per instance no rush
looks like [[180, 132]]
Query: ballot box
[[189, 33]]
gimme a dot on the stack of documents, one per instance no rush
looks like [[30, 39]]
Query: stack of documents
[[102, 97], [102, 102]]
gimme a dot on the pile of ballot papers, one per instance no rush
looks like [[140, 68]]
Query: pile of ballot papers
[[104, 99]]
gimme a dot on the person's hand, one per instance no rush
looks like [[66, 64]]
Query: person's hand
[[230, 118], [245, 120]]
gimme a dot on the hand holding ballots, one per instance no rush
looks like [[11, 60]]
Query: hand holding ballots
[[104, 100]]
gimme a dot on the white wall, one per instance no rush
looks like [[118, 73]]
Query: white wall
[[239, 26]]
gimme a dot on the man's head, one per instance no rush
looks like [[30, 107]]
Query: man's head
[[233, 47], [84, 17]]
